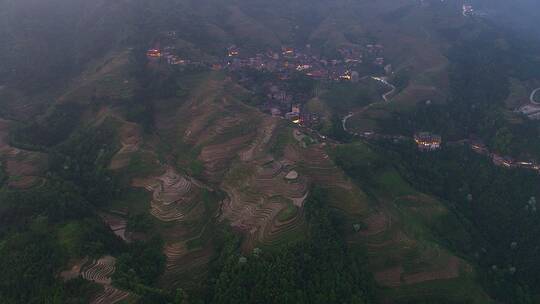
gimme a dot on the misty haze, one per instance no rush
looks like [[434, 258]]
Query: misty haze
[[269, 152]]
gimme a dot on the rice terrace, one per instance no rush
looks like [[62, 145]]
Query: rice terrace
[[235, 151]]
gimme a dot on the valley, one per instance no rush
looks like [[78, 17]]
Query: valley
[[290, 152]]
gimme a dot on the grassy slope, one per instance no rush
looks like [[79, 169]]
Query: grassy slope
[[407, 241]]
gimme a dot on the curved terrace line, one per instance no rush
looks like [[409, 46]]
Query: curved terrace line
[[533, 94]]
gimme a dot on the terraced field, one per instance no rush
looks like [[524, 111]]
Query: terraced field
[[265, 194], [173, 195], [228, 138], [110, 295], [318, 165], [401, 255], [100, 272], [183, 212], [207, 127], [403, 252], [260, 189], [217, 157], [265, 131]]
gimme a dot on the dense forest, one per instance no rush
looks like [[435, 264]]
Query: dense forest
[[493, 218], [496, 206], [494, 221], [42, 228], [480, 72], [320, 269]]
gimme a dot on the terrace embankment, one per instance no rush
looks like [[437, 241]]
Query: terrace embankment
[[173, 195], [98, 271], [266, 193]]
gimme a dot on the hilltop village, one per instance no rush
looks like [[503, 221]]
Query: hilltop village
[[283, 67], [351, 64], [289, 65]]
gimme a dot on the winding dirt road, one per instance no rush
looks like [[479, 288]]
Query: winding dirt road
[[385, 97], [344, 121], [383, 80]]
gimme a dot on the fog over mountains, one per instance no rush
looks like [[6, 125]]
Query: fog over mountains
[[269, 152], [522, 15]]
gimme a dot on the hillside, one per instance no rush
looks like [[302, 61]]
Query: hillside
[[240, 151]]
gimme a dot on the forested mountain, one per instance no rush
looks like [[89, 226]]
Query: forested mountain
[[294, 151]]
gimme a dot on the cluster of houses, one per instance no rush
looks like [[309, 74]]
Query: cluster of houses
[[427, 141], [294, 114], [503, 161], [166, 55], [282, 104], [290, 60], [287, 61], [283, 64], [467, 10]]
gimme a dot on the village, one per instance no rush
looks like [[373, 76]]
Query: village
[[468, 10], [284, 65], [288, 62], [426, 141], [503, 161]]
